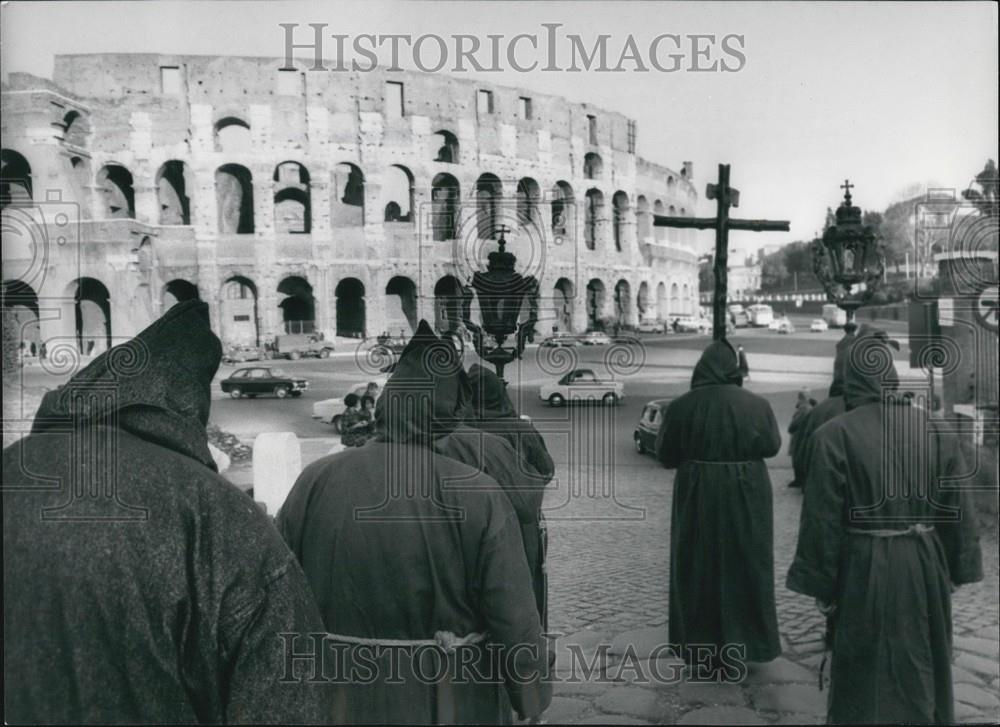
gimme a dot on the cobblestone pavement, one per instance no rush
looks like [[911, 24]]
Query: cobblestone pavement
[[608, 586]]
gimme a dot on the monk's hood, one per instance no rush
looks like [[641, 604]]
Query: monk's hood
[[156, 386], [870, 369], [428, 393], [719, 364], [840, 365], [489, 395]]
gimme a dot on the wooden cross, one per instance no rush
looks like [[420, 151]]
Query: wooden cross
[[847, 186], [725, 197]]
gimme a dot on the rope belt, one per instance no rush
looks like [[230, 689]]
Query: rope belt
[[915, 529], [443, 639]]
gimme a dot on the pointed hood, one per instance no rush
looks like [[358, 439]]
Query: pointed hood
[[870, 369], [840, 364], [156, 386], [719, 364], [489, 395], [428, 393]]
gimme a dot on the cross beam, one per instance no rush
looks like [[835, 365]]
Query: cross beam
[[725, 197]]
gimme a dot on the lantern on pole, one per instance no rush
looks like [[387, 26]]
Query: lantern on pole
[[501, 292], [847, 260]]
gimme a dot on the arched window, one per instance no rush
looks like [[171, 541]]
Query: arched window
[[489, 193], [173, 181], [348, 207], [619, 204], [643, 220], [15, 179], [444, 207], [563, 210], [234, 194], [292, 199], [232, 135], [115, 184], [593, 167], [528, 195], [659, 233], [397, 191], [594, 212], [446, 145]]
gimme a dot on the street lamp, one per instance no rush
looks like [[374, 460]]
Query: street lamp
[[501, 291], [847, 260]]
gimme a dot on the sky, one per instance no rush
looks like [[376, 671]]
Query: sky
[[890, 95]]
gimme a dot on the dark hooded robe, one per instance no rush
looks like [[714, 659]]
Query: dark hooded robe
[[400, 542], [885, 562], [139, 585], [523, 468], [721, 543], [801, 430]]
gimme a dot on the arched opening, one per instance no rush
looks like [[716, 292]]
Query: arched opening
[[173, 181], [444, 207], [672, 231], [20, 301], [593, 167], [350, 293], [619, 204], [232, 136], [401, 305], [563, 211], [348, 206], [297, 304], [594, 213], [528, 194], [686, 299], [397, 191], [623, 302], [115, 185], [447, 147], [489, 192], [642, 302], [662, 302], [15, 179], [564, 295], [596, 294], [92, 315], [447, 304], [675, 299], [75, 128], [660, 233], [292, 199], [234, 194], [671, 184], [238, 312], [177, 291], [643, 220]]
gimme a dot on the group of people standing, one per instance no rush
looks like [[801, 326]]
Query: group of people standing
[[885, 532], [141, 587]]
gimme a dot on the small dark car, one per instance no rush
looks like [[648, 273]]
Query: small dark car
[[250, 382], [649, 426]]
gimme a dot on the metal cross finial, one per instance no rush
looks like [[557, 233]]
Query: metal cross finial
[[503, 230], [847, 186]]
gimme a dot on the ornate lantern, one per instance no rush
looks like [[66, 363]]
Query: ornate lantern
[[501, 292], [847, 260]]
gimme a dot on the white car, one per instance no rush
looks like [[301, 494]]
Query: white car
[[785, 325], [582, 385], [651, 327], [595, 338], [819, 326], [690, 324], [775, 324]]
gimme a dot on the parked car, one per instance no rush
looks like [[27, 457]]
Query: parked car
[[649, 426], [392, 344], [786, 326], [738, 316], [651, 327], [775, 323], [760, 315], [561, 340], [819, 326], [244, 353], [595, 338], [296, 345], [692, 324], [582, 385], [250, 382]]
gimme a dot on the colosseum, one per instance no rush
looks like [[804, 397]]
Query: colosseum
[[295, 201]]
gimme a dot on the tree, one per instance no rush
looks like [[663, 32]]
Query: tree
[[773, 271]]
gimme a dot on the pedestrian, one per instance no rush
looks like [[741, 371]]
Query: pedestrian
[[368, 412], [164, 593], [405, 547], [804, 404], [493, 412], [717, 436], [353, 423], [744, 364], [883, 567]]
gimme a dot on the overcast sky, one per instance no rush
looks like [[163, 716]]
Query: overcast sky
[[889, 94]]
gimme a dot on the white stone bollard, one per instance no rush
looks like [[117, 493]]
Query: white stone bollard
[[277, 462]]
